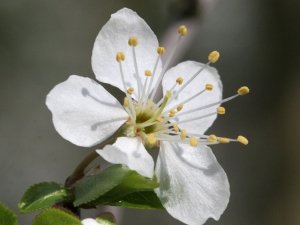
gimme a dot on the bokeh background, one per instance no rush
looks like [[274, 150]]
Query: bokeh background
[[42, 42]]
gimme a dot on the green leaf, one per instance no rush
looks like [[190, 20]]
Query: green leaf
[[139, 200], [110, 185], [106, 219], [131, 184], [55, 216], [7, 217], [43, 195]]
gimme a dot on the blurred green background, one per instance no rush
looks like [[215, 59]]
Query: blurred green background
[[43, 42]]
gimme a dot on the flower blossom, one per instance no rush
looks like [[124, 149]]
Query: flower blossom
[[192, 185], [90, 221]]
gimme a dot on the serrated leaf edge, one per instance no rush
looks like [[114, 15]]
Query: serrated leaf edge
[[39, 208]]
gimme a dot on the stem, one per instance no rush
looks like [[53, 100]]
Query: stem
[[78, 173]]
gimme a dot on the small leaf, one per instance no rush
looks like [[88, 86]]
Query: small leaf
[[110, 185], [7, 217], [132, 183], [55, 216], [92, 187], [140, 200], [43, 195], [106, 219]]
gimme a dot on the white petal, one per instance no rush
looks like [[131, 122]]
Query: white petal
[[83, 112], [90, 221], [207, 76], [193, 186], [130, 152], [112, 38]]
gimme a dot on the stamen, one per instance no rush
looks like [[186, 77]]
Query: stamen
[[121, 57], [223, 140], [151, 138], [172, 113], [194, 76], [215, 103], [192, 97], [176, 128], [182, 30], [221, 110], [130, 90], [209, 87], [243, 90], [160, 51], [179, 107], [193, 141], [125, 102], [242, 140], [133, 42], [212, 138], [214, 56], [179, 80], [183, 135], [147, 74], [164, 103], [160, 119]]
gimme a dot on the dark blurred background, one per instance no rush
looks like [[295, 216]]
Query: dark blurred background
[[43, 42]]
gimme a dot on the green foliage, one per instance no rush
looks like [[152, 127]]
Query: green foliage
[[55, 216], [111, 185], [106, 219], [7, 217], [139, 200], [43, 195]]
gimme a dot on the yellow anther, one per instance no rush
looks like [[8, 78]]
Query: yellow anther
[[176, 128], [243, 90], [172, 113], [160, 50], [221, 110], [133, 41], [126, 102], [130, 90], [193, 141], [213, 56], [182, 30], [179, 107], [223, 140], [148, 73], [179, 80], [183, 134], [120, 56], [151, 138], [209, 87], [212, 138], [242, 140], [160, 119]]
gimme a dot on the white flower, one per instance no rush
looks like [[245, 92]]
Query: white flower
[[89, 221], [126, 54]]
